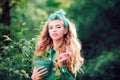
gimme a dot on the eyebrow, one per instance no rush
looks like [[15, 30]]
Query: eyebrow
[[55, 25], [58, 25]]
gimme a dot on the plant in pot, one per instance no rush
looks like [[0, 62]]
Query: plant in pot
[[44, 61]]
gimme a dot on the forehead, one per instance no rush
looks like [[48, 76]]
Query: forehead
[[55, 22]]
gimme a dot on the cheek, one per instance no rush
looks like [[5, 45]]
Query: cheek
[[61, 33], [49, 32]]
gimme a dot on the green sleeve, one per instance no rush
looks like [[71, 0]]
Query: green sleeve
[[65, 74]]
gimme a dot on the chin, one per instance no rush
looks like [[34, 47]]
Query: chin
[[56, 38]]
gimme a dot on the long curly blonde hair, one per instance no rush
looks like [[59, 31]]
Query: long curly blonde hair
[[70, 44]]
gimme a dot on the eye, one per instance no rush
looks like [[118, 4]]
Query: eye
[[50, 27], [58, 26]]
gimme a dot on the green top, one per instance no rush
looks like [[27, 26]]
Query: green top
[[64, 72]]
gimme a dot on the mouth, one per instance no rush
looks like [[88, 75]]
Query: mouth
[[54, 34]]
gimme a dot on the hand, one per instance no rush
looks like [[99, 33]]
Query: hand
[[37, 73], [63, 57]]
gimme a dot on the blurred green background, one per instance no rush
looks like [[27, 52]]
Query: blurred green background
[[97, 23]]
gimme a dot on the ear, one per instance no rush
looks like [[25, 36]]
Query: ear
[[65, 30]]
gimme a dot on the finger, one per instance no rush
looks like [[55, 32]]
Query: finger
[[59, 57], [34, 69], [68, 54], [43, 73], [62, 59], [62, 56], [40, 73], [43, 70], [41, 67]]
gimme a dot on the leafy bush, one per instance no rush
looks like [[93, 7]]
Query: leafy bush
[[103, 67], [16, 59]]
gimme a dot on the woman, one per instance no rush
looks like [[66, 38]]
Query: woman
[[59, 39]]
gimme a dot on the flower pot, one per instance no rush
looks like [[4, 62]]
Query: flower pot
[[46, 63]]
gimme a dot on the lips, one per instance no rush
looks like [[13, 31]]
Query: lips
[[54, 34]]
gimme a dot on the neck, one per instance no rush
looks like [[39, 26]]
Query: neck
[[57, 43]]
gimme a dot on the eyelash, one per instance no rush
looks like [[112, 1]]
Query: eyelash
[[52, 27], [58, 27]]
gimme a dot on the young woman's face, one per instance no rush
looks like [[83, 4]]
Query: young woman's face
[[56, 29]]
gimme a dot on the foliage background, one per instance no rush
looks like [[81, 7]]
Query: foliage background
[[97, 23]]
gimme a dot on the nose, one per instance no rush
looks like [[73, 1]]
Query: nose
[[54, 29]]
